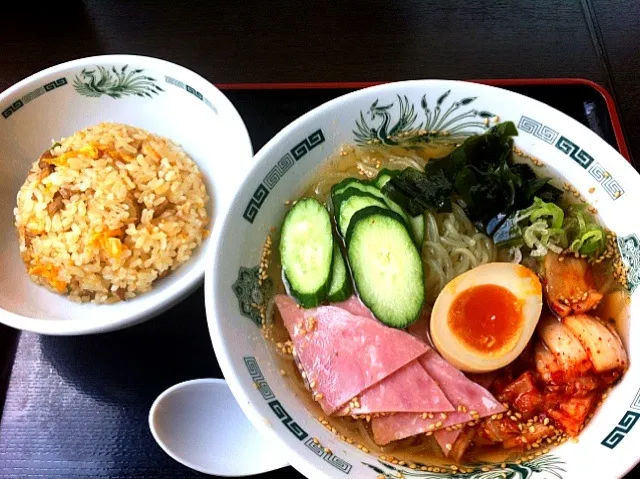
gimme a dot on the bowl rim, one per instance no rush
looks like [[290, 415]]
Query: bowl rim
[[194, 277], [212, 270]]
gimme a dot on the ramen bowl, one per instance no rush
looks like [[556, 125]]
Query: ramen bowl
[[237, 295], [160, 97]]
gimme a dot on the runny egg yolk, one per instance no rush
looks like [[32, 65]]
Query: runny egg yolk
[[486, 318], [483, 319]]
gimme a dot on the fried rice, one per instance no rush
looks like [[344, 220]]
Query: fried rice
[[109, 210]]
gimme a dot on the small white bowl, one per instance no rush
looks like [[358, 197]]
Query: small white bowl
[[608, 446], [172, 102]]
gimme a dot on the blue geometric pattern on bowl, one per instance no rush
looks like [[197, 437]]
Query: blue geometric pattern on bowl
[[628, 421], [278, 171], [190, 89], [294, 428], [577, 154], [32, 95]]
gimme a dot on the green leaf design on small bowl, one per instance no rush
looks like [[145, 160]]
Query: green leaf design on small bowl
[[115, 82]]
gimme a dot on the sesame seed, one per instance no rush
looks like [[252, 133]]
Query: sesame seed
[[448, 447]]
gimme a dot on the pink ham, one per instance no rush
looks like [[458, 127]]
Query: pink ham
[[343, 354], [355, 306], [405, 424], [409, 389], [446, 439], [459, 390]]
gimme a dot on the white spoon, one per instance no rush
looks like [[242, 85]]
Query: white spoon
[[199, 424]]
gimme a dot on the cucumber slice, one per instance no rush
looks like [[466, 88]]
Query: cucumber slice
[[417, 225], [348, 183], [340, 288], [384, 176], [373, 190], [386, 266], [306, 251], [416, 222], [350, 201]]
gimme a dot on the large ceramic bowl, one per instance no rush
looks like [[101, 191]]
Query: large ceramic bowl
[[608, 447], [152, 94]]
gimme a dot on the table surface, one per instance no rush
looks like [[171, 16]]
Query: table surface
[[276, 41]]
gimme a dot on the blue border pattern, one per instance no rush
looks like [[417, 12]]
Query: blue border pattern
[[190, 89], [276, 173], [281, 413], [577, 154], [537, 129], [625, 425], [32, 95]]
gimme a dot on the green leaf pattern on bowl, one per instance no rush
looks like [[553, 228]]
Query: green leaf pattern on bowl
[[115, 82], [409, 129], [548, 464]]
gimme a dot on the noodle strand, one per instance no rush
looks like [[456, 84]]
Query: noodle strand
[[452, 246]]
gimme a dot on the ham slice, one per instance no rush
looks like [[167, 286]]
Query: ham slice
[[343, 354], [410, 389], [446, 439], [355, 306], [419, 329], [460, 391]]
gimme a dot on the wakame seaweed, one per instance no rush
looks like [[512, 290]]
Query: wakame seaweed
[[481, 172]]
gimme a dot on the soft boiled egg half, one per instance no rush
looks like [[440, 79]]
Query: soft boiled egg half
[[483, 319]]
